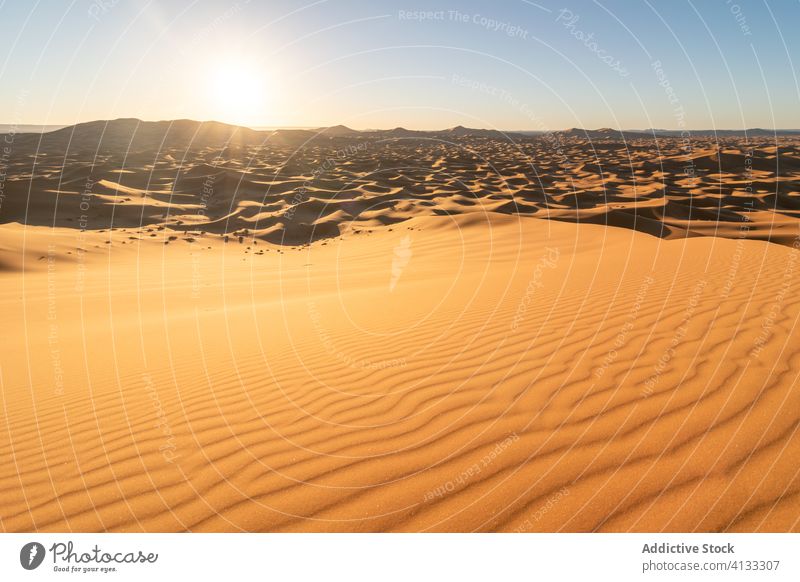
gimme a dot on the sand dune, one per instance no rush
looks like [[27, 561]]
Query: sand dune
[[426, 335]]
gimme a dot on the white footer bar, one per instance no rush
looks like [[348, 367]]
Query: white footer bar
[[401, 557]]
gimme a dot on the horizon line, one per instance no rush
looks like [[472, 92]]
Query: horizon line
[[58, 126]]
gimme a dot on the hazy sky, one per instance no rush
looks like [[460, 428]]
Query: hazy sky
[[508, 64]]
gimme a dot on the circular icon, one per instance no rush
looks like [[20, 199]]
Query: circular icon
[[31, 555]]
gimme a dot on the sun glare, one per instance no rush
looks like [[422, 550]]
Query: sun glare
[[238, 93]]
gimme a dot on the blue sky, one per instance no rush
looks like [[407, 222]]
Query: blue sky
[[506, 64]]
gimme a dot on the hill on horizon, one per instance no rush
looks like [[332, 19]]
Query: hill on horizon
[[135, 135]]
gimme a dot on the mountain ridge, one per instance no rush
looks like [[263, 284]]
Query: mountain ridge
[[132, 134]]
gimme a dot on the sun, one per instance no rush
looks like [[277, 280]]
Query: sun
[[238, 93]]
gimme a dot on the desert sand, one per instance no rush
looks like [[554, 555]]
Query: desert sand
[[209, 328]]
